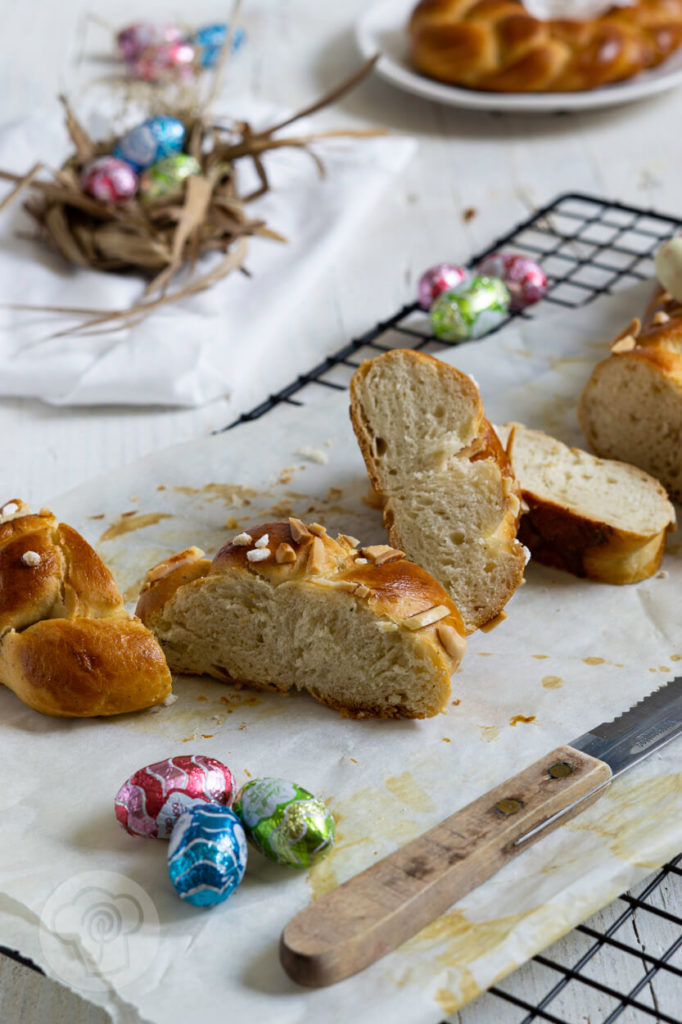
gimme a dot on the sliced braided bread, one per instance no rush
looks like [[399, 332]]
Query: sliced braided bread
[[285, 606], [450, 498], [496, 45]]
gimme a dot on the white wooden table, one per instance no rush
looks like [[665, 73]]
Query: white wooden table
[[500, 167]]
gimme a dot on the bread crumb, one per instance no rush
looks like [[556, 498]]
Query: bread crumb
[[263, 541], [312, 453], [663, 575], [446, 739], [169, 700], [258, 555], [31, 558], [242, 540], [469, 214]]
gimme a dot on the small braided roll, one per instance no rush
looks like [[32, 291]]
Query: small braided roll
[[497, 46]]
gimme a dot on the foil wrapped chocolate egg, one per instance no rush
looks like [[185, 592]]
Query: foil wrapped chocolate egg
[[471, 310], [151, 801], [207, 855], [167, 61], [109, 179], [151, 141], [437, 280], [285, 822], [167, 175], [133, 40], [210, 40], [525, 279]]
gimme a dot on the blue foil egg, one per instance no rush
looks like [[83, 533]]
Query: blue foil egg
[[207, 855], [210, 40], [150, 142]]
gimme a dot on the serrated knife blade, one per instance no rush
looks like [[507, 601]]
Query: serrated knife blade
[[374, 912], [638, 732]]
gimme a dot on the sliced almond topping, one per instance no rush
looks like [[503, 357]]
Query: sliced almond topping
[[428, 617], [661, 317], [316, 558], [352, 542], [386, 626], [360, 561], [379, 554], [242, 540], [362, 591], [625, 344], [285, 553], [347, 585], [631, 331], [514, 505], [454, 644], [665, 297], [318, 530], [258, 554], [298, 529], [507, 486]]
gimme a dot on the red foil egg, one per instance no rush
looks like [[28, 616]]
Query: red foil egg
[[151, 801], [525, 279], [109, 179], [437, 280], [167, 61]]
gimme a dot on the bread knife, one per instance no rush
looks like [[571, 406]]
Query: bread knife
[[374, 912]]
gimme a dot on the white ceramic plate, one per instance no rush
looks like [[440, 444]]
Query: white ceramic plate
[[382, 29]]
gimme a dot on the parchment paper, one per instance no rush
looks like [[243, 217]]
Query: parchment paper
[[570, 654]]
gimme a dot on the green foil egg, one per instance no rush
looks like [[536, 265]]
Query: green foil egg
[[470, 310], [167, 175], [285, 822]]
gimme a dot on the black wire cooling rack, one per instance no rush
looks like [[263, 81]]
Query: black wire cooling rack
[[620, 965], [623, 964]]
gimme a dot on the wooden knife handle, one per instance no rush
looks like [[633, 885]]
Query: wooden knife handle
[[377, 910]]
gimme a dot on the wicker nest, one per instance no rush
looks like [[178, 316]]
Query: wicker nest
[[159, 238]]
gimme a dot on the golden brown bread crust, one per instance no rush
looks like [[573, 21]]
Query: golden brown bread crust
[[77, 668], [496, 45], [394, 588], [67, 645], [560, 538]]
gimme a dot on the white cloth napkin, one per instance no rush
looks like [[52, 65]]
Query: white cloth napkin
[[574, 10], [200, 348]]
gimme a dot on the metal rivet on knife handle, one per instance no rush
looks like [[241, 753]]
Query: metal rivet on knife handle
[[560, 770], [509, 806]]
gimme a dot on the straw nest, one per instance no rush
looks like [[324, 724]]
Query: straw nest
[[162, 239]]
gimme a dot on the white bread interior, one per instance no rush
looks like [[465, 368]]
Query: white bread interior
[[450, 499]]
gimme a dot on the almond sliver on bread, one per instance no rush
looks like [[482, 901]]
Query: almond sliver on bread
[[450, 499], [284, 606], [594, 517]]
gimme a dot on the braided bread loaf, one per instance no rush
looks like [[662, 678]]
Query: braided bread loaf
[[285, 606], [631, 407], [68, 647], [497, 46]]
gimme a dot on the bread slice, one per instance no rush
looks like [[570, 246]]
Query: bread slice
[[631, 407], [283, 606], [593, 517], [450, 498], [68, 647]]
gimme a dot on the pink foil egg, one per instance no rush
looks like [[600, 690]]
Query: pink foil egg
[[109, 179], [133, 40], [525, 279], [437, 280], [168, 60], [151, 801]]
